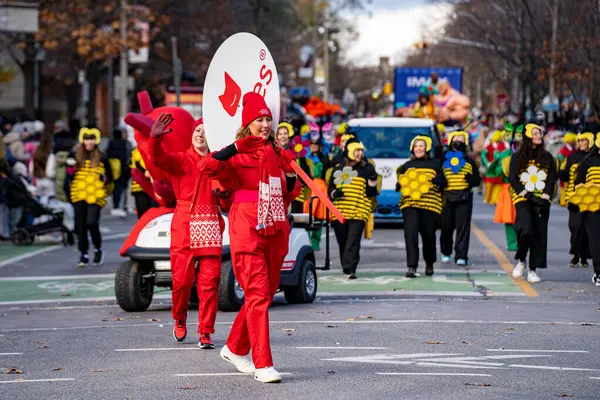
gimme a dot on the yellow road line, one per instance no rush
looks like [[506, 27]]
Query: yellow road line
[[506, 265]]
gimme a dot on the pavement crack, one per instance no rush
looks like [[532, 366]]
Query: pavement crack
[[484, 291]]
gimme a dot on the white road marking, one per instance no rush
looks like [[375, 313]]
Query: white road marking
[[160, 349], [10, 354], [341, 348], [52, 248], [56, 277], [436, 364], [595, 377], [224, 374], [440, 293], [538, 351], [29, 255], [429, 374], [38, 380], [313, 322], [73, 300], [551, 368]]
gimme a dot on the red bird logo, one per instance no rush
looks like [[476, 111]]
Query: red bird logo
[[232, 95]]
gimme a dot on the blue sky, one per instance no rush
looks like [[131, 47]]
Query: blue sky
[[393, 28]]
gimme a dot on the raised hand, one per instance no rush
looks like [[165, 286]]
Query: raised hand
[[249, 144], [160, 127], [287, 157]]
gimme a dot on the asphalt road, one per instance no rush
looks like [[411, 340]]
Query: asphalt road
[[467, 333]]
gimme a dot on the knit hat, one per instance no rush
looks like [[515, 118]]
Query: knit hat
[[199, 121], [254, 106]]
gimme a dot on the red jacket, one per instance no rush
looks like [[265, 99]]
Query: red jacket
[[191, 189]]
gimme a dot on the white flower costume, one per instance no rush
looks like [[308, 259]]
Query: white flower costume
[[534, 179], [344, 176]]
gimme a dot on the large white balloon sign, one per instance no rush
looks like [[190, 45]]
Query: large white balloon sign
[[242, 64]]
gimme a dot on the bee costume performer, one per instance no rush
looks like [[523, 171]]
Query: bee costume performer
[[533, 177], [420, 182], [90, 184]]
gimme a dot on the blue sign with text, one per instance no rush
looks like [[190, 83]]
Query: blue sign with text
[[409, 80]]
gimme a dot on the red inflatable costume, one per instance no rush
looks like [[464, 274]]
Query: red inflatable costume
[[258, 230], [168, 159]]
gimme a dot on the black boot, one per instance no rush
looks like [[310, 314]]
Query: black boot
[[584, 263], [429, 269]]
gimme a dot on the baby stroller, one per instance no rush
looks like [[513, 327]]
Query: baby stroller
[[26, 231]]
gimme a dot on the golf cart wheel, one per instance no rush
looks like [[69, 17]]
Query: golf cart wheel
[[306, 291], [231, 295], [133, 288], [21, 237]]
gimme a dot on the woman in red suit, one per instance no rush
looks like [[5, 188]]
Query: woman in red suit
[[195, 200], [257, 172]]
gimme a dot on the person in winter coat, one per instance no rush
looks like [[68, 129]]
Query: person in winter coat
[[567, 174], [533, 178], [421, 203], [493, 184], [43, 170], [14, 142], [197, 207], [88, 191], [589, 173], [119, 149], [462, 175], [61, 136], [569, 148], [258, 173], [351, 188], [318, 164]]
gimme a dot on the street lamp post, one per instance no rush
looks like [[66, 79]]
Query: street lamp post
[[123, 64]]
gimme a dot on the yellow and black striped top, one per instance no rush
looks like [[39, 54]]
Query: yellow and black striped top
[[568, 172], [88, 185], [355, 204], [593, 175], [589, 170], [516, 186], [137, 162], [432, 200], [458, 181]]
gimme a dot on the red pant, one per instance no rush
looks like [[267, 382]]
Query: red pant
[[183, 268], [257, 262]]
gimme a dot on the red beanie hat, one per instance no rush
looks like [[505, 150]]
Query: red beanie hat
[[254, 106], [199, 121]]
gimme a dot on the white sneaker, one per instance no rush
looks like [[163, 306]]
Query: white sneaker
[[243, 364], [267, 375], [533, 277], [596, 279], [446, 259], [518, 271]]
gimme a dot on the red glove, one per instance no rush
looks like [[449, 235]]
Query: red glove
[[249, 144], [287, 157], [159, 128]]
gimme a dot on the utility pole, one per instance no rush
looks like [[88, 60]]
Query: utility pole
[[315, 38], [176, 70], [553, 49], [123, 80], [110, 84], [326, 57]]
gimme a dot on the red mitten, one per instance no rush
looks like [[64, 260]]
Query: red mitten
[[287, 157], [249, 144]]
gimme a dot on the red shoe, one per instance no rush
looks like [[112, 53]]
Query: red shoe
[[180, 330], [205, 341]]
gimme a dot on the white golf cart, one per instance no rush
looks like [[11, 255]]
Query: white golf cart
[[149, 268]]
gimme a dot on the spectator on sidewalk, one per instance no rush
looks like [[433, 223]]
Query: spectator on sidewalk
[[119, 149], [61, 135]]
